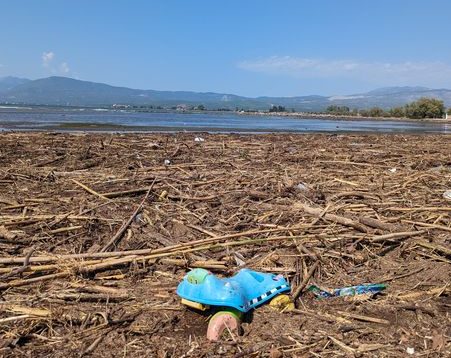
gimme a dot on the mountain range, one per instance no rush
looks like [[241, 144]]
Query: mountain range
[[66, 91]]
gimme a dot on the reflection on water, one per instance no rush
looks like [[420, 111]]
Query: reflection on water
[[224, 122]]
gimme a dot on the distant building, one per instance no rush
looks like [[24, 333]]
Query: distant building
[[121, 106], [182, 107]]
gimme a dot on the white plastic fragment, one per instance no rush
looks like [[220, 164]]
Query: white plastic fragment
[[410, 350], [302, 186], [447, 195], [392, 170], [199, 139], [167, 162]]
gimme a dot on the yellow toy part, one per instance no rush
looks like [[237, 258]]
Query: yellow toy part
[[196, 305], [282, 303]]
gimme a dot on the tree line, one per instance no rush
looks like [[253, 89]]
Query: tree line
[[422, 108]]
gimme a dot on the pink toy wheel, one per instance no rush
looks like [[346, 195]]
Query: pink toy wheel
[[220, 322]]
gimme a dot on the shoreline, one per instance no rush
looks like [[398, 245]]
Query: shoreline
[[211, 122], [300, 115], [306, 115]]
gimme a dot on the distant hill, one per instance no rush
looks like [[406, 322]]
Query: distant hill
[[8, 83], [71, 92]]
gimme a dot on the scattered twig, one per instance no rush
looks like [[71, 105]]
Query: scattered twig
[[115, 239]]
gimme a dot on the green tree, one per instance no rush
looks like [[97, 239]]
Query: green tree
[[333, 109], [200, 107], [397, 112], [364, 113], [425, 108], [277, 109], [376, 112]]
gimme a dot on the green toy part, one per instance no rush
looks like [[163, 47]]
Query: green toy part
[[197, 276]]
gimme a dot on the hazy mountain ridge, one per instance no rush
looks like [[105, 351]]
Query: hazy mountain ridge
[[68, 91], [8, 83]]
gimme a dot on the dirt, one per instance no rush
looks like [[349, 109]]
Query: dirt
[[101, 231]]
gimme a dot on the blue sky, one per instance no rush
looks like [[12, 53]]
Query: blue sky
[[246, 47]]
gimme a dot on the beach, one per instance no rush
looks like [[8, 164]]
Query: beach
[[98, 229]]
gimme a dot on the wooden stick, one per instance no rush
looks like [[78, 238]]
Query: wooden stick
[[14, 318], [305, 281], [397, 235], [89, 190], [18, 283], [377, 224], [343, 346], [115, 194], [41, 268], [19, 270], [352, 163], [31, 311], [363, 318], [212, 264], [20, 220], [98, 289], [115, 239], [436, 247], [421, 208], [318, 212], [433, 226], [65, 229]]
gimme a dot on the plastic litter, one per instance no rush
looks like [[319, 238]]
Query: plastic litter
[[365, 289], [392, 170], [199, 139], [167, 162], [282, 303], [410, 350], [196, 305], [245, 290], [302, 187], [163, 195], [223, 321], [447, 195], [233, 296]]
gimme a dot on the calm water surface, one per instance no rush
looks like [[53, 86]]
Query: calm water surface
[[76, 119]]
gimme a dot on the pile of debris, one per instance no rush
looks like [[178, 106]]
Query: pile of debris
[[98, 230]]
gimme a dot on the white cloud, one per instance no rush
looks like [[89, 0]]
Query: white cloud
[[48, 61], [47, 58], [428, 73], [64, 68]]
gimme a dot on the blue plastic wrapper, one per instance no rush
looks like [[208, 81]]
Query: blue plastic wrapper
[[366, 289]]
